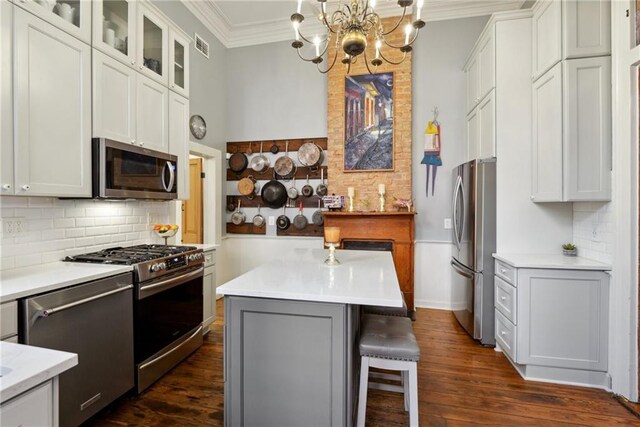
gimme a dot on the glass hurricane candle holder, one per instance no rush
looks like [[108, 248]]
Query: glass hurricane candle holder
[[332, 240]]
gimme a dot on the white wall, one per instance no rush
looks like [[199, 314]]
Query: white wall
[[59, 228]]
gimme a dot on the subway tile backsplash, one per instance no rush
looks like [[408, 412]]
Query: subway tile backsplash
[[58, 228], [593, 230]]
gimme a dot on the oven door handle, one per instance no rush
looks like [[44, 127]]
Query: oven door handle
[[154, 288]]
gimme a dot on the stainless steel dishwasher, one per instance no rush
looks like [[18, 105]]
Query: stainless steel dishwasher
[[94, 320]]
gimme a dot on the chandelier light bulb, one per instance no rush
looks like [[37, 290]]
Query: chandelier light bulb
[[407, 33], [316, 42], [420, 4], [299, 5], [372, 3], [378, 46]]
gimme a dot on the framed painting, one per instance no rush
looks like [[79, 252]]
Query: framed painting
[[368, 123]]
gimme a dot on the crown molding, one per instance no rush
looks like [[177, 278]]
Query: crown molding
[[270, 31]]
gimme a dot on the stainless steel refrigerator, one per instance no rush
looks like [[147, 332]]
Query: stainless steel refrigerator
[[474, 242]]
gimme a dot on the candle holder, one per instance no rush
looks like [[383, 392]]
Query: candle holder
[[351, 209], [332, 260], [382, 202]]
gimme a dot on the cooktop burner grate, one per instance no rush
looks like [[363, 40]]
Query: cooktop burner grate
[[130, 255]]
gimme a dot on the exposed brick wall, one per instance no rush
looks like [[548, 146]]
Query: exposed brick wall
[[398, 181]]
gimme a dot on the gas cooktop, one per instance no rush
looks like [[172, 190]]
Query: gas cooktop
[[131, 255]]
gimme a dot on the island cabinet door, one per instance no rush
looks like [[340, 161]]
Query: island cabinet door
[[286, 363]]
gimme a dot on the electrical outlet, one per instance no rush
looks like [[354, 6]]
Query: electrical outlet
[[272, 220], [447, 223], [14, 226]]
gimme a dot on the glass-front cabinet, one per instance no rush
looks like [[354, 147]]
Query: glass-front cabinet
[[178, 63], [114, 29], [152, 41], [71, 16]]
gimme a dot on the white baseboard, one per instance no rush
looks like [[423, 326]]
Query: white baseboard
[[436, 305]]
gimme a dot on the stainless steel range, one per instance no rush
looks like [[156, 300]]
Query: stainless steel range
[[167, 304]]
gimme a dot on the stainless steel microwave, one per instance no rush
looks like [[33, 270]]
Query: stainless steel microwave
[[125, 171]]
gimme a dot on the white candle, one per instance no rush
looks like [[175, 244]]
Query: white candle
[[295, 29], [316, 41], [378, 46], [372, 3], [351, 192], [420, 3], [381, 188], [299, 5], [407, 32]]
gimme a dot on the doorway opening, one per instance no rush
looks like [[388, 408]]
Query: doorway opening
[[192, 224]]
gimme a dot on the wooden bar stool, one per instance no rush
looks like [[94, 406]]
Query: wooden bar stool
[[388, 342]]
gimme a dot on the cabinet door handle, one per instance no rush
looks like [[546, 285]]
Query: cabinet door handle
[[142, 67], [503, 298], [502, 270], [6, 187], [141, 144], [532, 197], [503, 333], [26, 187], [133, 141]]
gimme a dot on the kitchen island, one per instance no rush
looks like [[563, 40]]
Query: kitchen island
[[291, 336]]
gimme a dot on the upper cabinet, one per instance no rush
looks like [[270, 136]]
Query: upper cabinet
[[547, 38], [567, 29], [136, 34], [480, 71], [71, 16], [571, 101], [114, 29], [6, 98], [52, 110]]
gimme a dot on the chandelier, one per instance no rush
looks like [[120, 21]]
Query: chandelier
[[351, 26]]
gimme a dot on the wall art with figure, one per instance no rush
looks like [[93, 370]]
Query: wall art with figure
[[368, 122]]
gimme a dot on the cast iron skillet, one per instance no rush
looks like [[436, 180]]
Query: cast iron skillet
[[274, 194], [238, 162]]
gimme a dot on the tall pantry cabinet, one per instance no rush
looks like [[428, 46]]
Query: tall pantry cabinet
[[571, 89]]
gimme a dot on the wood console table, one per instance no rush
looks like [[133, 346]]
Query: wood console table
[[395, 227]]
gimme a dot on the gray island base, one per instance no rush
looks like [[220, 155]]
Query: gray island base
[[291, 337]]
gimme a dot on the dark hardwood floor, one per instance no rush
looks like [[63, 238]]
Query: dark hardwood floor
[[460, 383]]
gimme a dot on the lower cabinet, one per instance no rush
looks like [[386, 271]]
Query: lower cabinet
[[31, 408], [553, 324], [209, 290]]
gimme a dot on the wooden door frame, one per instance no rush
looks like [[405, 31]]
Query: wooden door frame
[[211, 198]]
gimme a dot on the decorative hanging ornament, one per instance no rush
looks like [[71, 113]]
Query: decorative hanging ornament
[[432, 148]]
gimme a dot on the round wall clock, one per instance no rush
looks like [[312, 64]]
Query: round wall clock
[[198, 126]]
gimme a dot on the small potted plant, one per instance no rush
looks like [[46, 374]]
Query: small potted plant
[[570, 249]]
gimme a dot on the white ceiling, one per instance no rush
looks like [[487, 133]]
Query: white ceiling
[[238, 23]]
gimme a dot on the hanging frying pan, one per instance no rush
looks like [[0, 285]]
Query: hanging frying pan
[[307, 190], [283, 222], [292, 192], [259, 163], [310, 155], [274, 193], [284, 165], [238, 217], [318, 218], [321, 189], [258, 219], [300, 221], [238, 162]]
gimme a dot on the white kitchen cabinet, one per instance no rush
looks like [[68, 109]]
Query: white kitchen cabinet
[[179, 140], [114, 99], [178, 63], [6, 98], [152, 115], [209, 295], [586, 28], [587, 129], [52, 110], [471, 74], [547, 36], [72, 17], [473, 132], [36, 407], [553, 324], [152, 36], [487, 130], [546, 179], [487, 65], [114, 29]]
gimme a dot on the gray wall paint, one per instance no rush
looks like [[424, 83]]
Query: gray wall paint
[[272, 94], [438, 80]]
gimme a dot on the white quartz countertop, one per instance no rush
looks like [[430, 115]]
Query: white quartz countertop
[[362, 278], [23, 282], [553, 261], [23, 367]]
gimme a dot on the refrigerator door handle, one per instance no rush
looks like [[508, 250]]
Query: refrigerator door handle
[[464, 213], [456, 238], [460, 270]]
